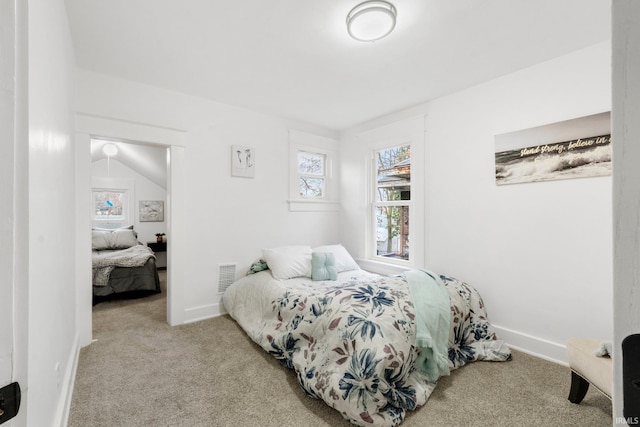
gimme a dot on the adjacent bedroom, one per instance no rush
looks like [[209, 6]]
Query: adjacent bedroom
[[128, 225], [343, 213]]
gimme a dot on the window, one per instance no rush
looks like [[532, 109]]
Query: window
[[311, 175], [109, 208], [313, 180], [391, 202], [392, 211]]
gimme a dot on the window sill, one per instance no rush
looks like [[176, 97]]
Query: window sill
[[383, 268], [314, 206]]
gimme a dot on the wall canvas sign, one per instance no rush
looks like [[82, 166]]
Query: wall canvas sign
[[151, 210], [242, 161], [576, 148]]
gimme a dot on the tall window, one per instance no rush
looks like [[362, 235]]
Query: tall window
[[311, 175], [392, 202]]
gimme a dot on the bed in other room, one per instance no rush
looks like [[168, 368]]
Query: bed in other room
[[122, 266]]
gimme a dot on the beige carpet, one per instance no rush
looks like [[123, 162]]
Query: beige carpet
[[142, 372]]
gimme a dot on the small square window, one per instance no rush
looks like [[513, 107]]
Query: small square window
[[310, 163], [109, 208], [313, 180], [311, 188], [108, 205], [311, 175]]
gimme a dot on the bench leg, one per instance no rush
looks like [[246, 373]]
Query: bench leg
[[579, 387]]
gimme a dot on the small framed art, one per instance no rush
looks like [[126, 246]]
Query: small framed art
[[243, 161], [151, 210]]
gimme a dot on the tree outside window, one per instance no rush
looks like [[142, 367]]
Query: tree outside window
[[311, 175], [109, 208], [393, 198]]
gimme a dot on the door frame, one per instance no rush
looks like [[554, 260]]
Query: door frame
[[88, 127], [626, 187], [14, 191]]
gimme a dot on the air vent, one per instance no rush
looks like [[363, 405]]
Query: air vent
[[226, 276]]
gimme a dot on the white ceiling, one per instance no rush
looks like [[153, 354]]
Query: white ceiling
[[149, 161], [294, 59]]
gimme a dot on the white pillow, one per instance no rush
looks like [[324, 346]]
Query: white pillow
[[344, 261], [128, 227], [119, 238], [287, 262]]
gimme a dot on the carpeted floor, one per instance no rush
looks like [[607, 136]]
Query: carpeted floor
[[142, 372]]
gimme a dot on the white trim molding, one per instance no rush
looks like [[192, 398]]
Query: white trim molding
[[313, 205], [129, 131], [68, 382], [535, 346]]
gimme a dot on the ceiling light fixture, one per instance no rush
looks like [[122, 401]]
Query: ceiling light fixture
[[110, 149], [371, 20]]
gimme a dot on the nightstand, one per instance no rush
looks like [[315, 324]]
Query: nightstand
[[160, 249]]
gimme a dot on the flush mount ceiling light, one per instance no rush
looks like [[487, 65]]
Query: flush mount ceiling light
[[110, 149], [371, 20]]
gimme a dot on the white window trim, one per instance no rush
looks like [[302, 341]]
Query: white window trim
[[373, 203], [402, 133], [302, 141]]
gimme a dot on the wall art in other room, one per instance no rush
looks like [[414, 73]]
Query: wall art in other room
[[577, 148], [243, 161], [151, 210]]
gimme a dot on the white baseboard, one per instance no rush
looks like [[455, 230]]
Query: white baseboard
[[203, 312], [68, 383], [534, 346]]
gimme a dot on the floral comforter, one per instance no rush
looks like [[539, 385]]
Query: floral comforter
[[352, 341]]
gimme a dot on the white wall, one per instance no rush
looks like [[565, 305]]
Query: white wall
[[52, 329], [540, 253], [144, 189], [229, 219]]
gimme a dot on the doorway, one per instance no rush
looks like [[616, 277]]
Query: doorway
[[129, 194], [173, 142]]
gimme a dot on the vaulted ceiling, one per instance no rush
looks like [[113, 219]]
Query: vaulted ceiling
[[148, 161], [294, 58]]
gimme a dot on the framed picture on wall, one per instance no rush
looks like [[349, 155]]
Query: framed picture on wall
[[151, 210], [576, 148], [243, 161]]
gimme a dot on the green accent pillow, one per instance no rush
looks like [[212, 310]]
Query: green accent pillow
[[323, 266], [258, 266]]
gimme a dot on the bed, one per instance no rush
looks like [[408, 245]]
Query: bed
[[122, 266], [372, 347]]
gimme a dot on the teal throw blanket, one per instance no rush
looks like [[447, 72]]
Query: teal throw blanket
[[433, 319]]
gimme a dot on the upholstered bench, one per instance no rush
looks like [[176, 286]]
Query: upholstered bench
[[587, 368]]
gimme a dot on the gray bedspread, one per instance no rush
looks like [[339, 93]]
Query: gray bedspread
[[104, 262]]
